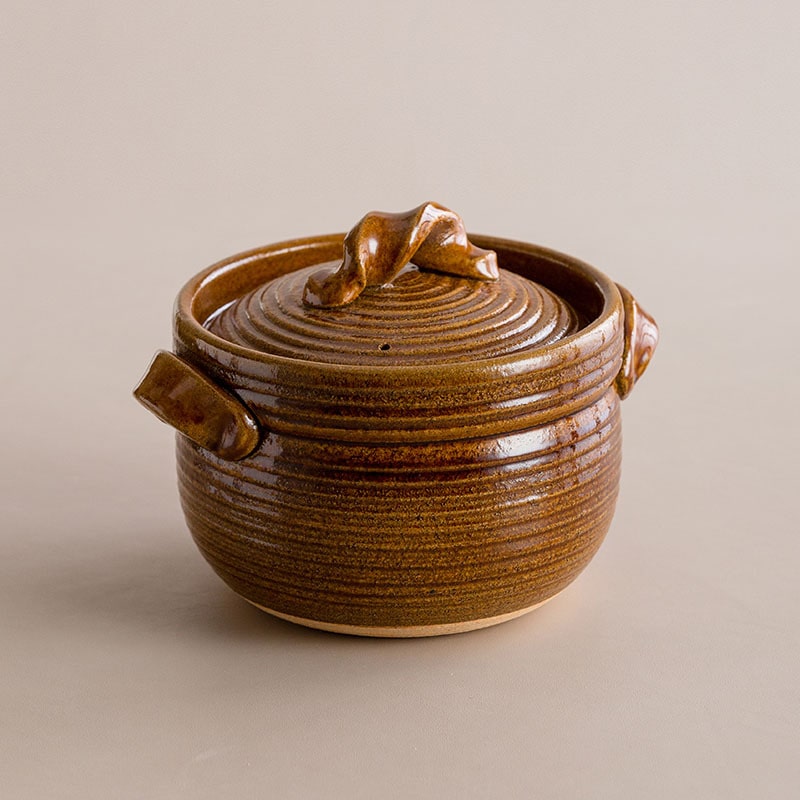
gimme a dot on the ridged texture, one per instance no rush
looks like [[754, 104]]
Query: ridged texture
[[420, 318], [416, 535], [412, 494]]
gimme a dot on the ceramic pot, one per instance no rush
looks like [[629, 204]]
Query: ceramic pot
[[400, 432]]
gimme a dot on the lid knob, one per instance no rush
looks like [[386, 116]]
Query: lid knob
[[381, 244]]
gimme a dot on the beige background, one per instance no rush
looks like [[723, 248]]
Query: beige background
[[141, 141]]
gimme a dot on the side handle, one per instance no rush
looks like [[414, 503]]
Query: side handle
[[641, 339], [180, 395]]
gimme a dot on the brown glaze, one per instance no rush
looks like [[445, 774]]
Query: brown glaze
[[641, 339], [393, 536], [378, 247], [401, 491], [420, 318], [186, 399]]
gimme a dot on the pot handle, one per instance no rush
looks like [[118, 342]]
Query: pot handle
[[180, 395], [640, 341], [381, 244]]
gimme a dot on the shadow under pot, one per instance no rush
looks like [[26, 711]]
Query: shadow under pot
[[400, 431]]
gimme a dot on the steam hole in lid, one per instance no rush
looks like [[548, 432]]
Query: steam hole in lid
[[385, 346]]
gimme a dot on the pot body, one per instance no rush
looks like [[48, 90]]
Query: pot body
[[392, 538], [415, 500]]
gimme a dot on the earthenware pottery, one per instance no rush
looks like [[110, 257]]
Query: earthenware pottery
[[399, 432]]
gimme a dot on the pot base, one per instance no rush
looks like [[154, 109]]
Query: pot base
[[403, 631]]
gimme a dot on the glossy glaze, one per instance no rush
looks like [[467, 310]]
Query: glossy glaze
[[186, 399], [393, 536], [641, 339], [410, 495], [421, 318], [380, 244]]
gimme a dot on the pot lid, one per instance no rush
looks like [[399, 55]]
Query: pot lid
[[411, 289]]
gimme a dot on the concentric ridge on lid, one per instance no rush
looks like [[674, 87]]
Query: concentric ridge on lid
[[420, 318]]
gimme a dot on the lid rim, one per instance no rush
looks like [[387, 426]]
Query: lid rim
[[189, 327]]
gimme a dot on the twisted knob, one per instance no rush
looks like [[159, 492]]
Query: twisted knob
[[381, 244]]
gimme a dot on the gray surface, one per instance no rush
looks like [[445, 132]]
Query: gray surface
[[141, 141]]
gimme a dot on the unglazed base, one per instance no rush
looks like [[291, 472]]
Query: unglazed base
[[404, 632]]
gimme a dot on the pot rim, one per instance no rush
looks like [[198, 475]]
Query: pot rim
[[189, 325]]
